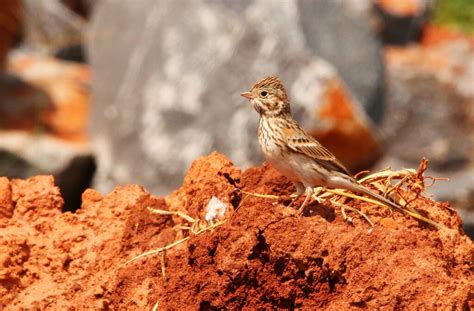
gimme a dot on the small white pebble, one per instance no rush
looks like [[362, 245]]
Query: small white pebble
[[215, 209]]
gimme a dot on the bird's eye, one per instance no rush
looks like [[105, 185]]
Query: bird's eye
[[263, 93]]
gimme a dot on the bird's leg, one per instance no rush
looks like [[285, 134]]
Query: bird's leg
[[308, 192], [299, 191]]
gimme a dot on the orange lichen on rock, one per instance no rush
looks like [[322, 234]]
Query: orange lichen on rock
[[348, 133], [401, 7], [64, 110]]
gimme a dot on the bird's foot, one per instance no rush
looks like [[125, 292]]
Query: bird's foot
[[296, 196], [301, 209], [309, 192]]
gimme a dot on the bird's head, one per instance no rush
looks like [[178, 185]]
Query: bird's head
[[268, 97]]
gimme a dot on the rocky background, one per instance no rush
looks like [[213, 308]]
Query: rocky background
[[113, 92]]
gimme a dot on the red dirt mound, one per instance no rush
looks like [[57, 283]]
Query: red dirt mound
[[264, 256]]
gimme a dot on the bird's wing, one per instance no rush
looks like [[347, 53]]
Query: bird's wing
[[301, 142]]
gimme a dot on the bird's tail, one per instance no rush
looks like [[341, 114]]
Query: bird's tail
[[360, 188]]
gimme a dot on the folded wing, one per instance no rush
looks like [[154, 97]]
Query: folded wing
[[301, 142]]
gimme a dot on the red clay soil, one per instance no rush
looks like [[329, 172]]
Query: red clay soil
[[264, 256]]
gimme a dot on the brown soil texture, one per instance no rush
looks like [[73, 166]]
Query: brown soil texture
[[264, 257]]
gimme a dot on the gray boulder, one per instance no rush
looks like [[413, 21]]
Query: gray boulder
[[50, 25], [39, 132], [23, 155], [168, 74], [430, 114], [335, 30], [429, 104]]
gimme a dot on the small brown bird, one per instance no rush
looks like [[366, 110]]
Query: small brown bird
[[295, 153]]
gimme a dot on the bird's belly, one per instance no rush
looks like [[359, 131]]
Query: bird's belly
[[286, 163], [286, 168], [277, 157], [295, 167]]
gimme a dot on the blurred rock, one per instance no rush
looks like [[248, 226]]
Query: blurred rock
[[402, 7], [43, 112], [338, 32], [23, 155], [22, 105], [56, 91], [167, 85], [10, 16], [345, 129], [468, 221], [73, 53], [12, 165], [435, 35], [57, 27], [82, 8], [430, 113], [51, 25], [401, 21]]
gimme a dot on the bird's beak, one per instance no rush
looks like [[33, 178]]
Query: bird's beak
[[247, 95]]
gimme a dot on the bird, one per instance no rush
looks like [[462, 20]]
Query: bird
[[293, 152]]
